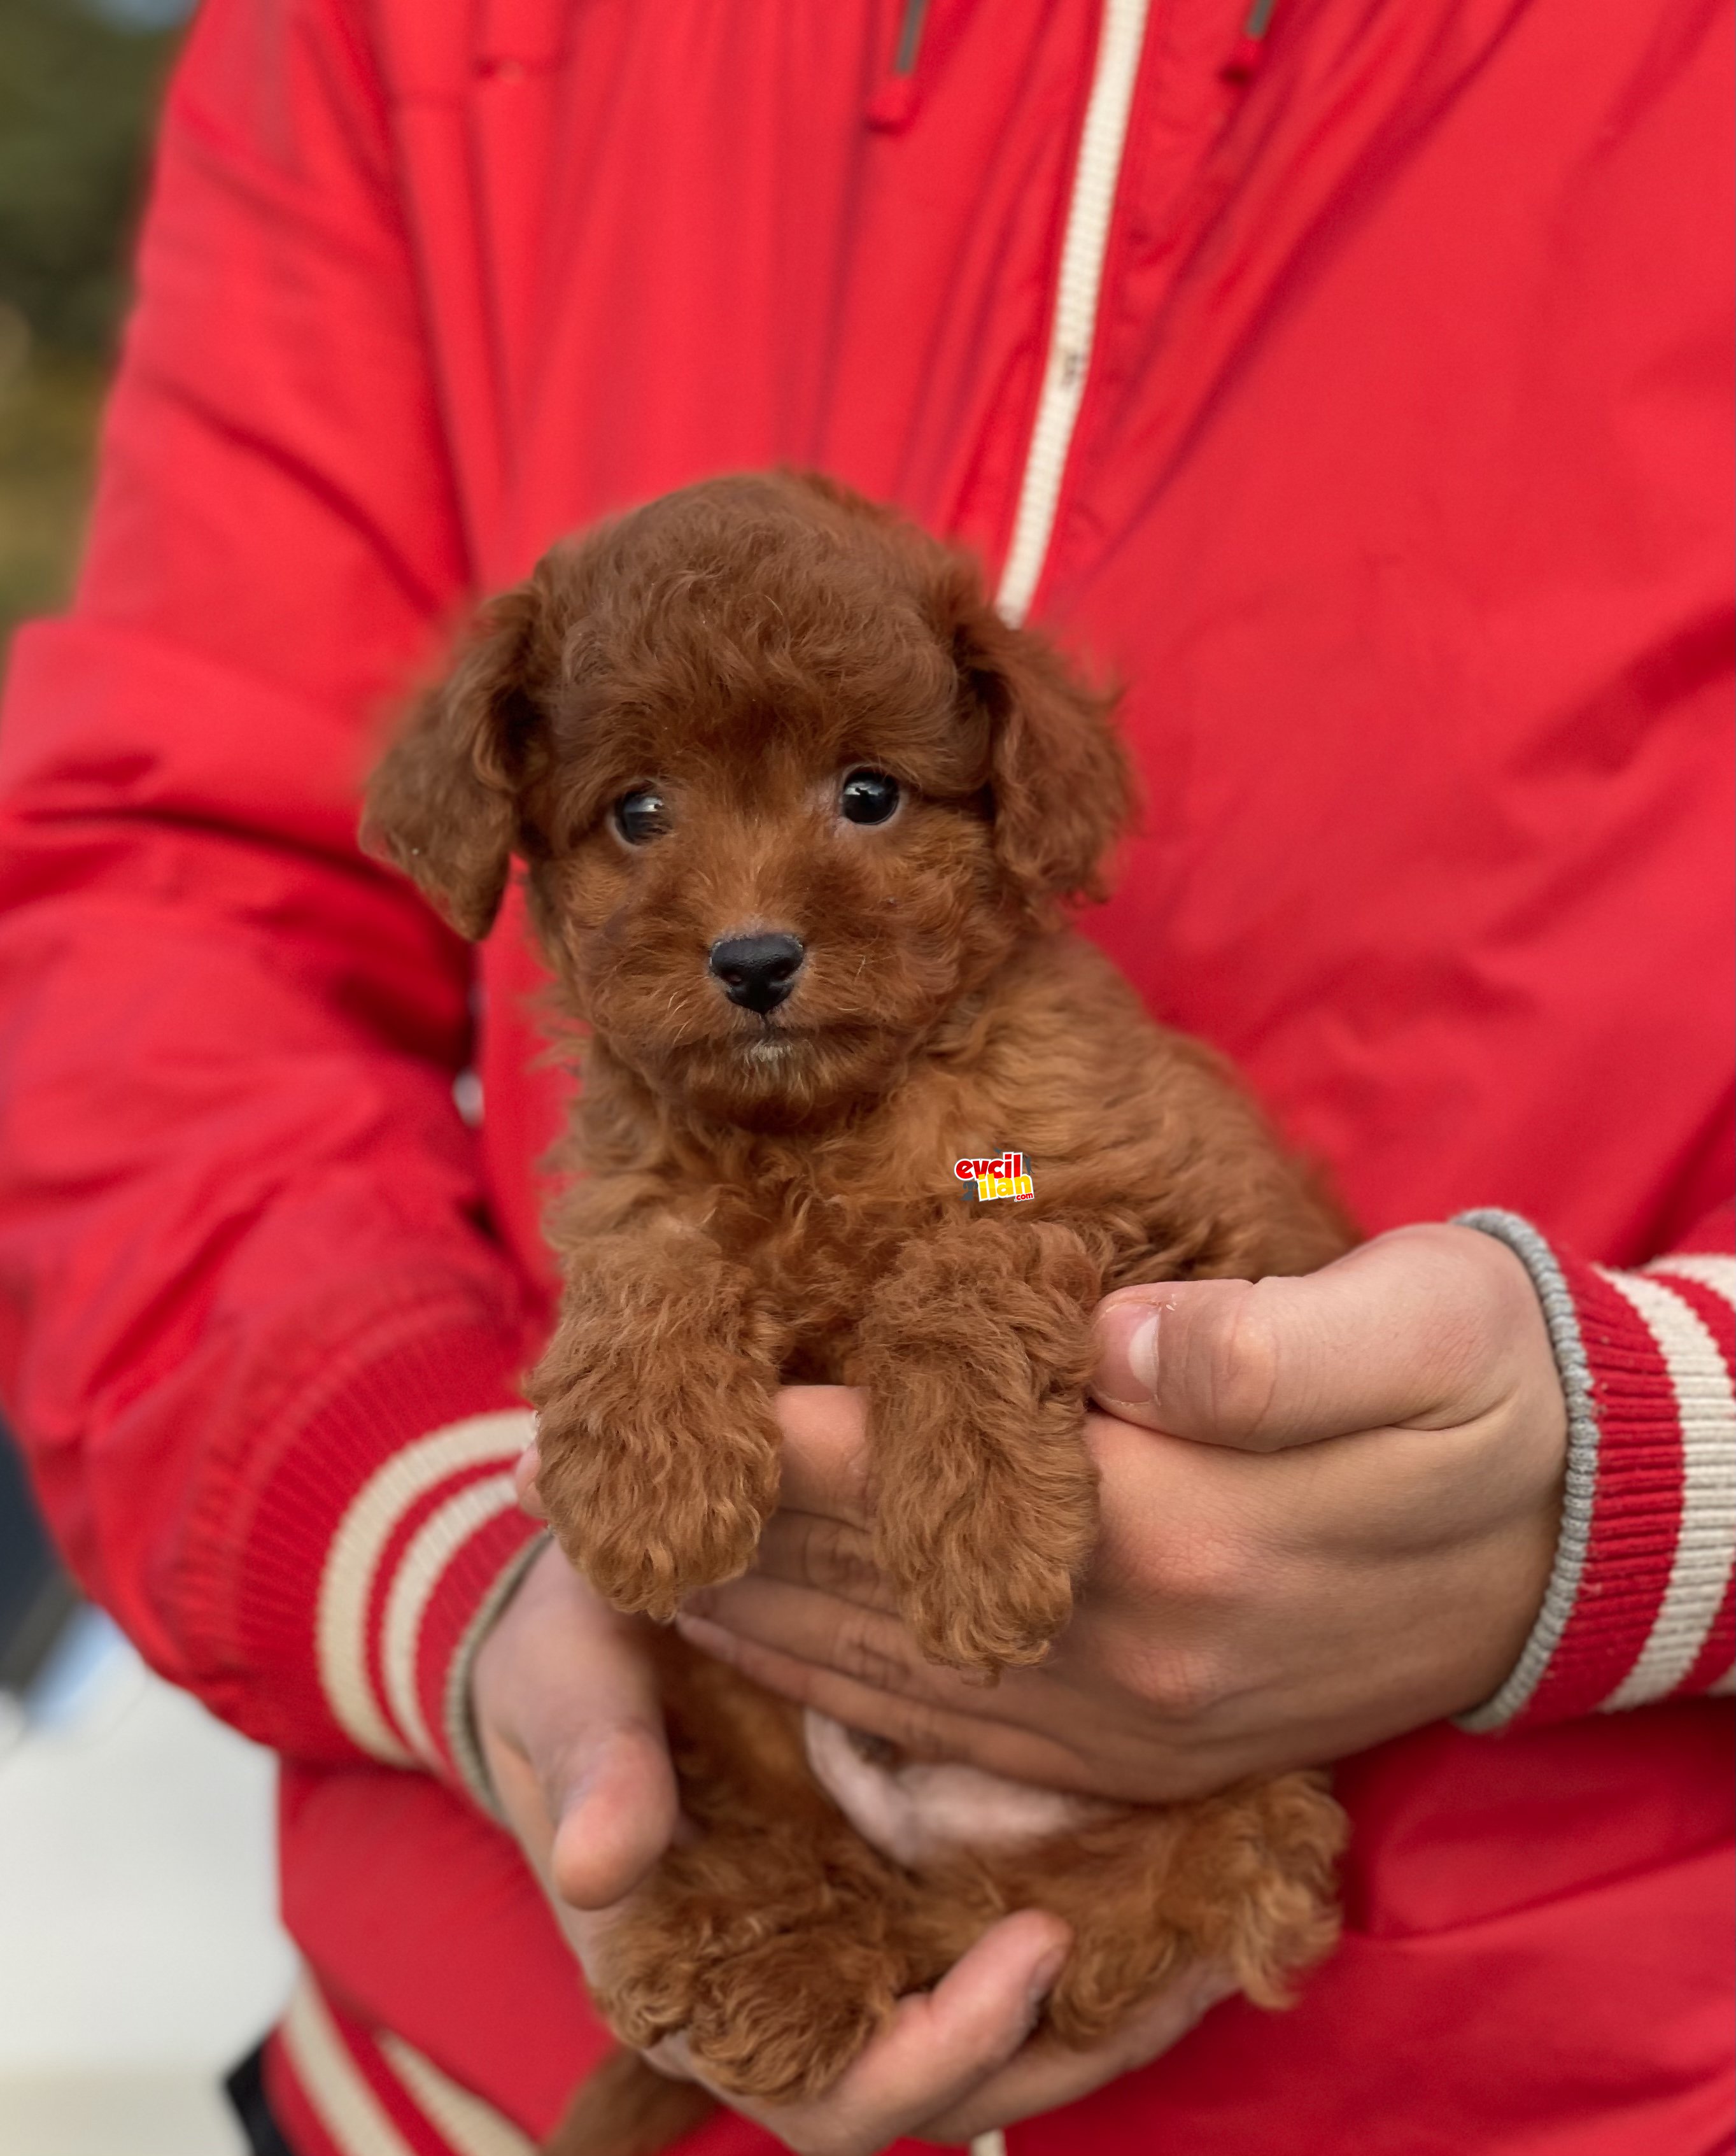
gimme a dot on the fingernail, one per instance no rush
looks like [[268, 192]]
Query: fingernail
[[1044, 1976], [1127, 1355], [524, 1479], [709, 1638]]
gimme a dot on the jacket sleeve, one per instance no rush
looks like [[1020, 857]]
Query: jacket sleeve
[[255, 1331], [1639, 1604]]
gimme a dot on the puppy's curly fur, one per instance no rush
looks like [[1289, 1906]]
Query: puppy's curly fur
[[766, 1195]]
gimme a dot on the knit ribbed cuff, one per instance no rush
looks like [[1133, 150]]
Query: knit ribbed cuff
[[427, 1545], [341, 2086], [1574, 1544], [394, 1504], [1638, 1603]]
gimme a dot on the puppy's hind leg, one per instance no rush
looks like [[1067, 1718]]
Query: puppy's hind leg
[[975, 1351], [1232, 1892], [626, 2107], [778, 1948]]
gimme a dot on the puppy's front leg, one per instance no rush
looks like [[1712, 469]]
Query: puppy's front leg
[[975, 1351], [657, 1441]]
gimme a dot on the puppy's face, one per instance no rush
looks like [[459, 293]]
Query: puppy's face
[[770, 904], [787, 791]]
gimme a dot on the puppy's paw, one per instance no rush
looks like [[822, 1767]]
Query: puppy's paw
[[1261, 1863], [976, 1353], [644, 1566], [657, 1493], [986, 1516], [781, 2022], [778, 1951], [1214, 1894], [983, 1608]]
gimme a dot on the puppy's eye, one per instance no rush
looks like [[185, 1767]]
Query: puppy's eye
[[641, 815], [867, 796]]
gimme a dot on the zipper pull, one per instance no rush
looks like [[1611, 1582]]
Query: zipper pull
[[1250, 49], [895, 102]]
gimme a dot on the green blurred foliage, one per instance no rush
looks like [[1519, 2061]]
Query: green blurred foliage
[[47, 425], [77, 96], [79, 90]]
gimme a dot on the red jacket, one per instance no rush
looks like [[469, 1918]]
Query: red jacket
[[1358, 393]]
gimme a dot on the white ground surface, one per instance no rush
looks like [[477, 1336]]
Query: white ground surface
[[139, 1952]]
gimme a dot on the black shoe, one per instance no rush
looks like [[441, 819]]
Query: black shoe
[[245, 2088]]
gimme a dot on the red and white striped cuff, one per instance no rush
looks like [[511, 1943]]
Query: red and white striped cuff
[[1639, 1604], [338, 2089], [426, 1552], [358, 1556]]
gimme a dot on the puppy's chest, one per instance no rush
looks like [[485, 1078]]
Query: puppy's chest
[[817, 1254]]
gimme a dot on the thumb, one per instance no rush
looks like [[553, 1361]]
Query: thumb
[[525, 1471], [1407, 1329], [568, 1712], [614, 1807]]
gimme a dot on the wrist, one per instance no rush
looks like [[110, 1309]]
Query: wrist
[[568, 1715], [1561, 1580], [474, 1752]]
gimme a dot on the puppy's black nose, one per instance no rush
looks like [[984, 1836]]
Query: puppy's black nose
[[757, 971]]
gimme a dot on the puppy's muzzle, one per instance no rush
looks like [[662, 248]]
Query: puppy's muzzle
[[757, 971]]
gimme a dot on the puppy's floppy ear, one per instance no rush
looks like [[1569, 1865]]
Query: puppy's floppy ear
[[444, 803], [1059, 775]]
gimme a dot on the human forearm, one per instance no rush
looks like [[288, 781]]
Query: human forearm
[[239, 1216]]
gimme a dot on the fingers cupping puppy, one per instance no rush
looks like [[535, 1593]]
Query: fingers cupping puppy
[[1351, 1541], [1330, 1506], [566, 1714]]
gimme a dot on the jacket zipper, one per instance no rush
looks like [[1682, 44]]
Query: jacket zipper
[[1091, 209], [893, 104], [910, 43]]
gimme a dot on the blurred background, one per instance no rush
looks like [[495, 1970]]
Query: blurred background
[[139, 1953], [80, 81]]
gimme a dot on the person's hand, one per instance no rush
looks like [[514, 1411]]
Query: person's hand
[[571, 1730], [1329, 1508], [954, 2063], [567, 1713]]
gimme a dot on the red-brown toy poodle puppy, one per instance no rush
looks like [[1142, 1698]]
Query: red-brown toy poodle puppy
[[798, 815]]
